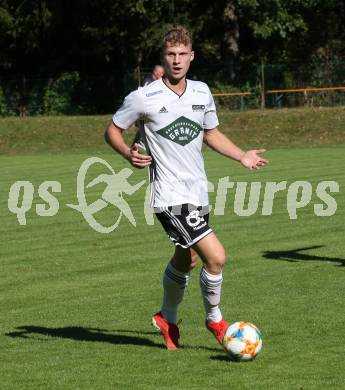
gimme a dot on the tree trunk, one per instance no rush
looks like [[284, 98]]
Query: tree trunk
[[231, 37]]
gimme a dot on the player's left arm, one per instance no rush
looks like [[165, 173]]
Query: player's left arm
[[219, 142]]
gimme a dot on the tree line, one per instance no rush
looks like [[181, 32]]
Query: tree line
[[101, 42]]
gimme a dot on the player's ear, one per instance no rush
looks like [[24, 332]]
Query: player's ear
[[192, 55]]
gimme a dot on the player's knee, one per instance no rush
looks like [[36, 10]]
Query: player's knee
[[217, 261], [220, 258]]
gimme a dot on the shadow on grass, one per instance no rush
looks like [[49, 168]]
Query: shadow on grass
[[295, 255], [82, 334], [78, 333], [224, 358]]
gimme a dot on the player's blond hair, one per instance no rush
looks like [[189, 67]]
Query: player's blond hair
[[176, 36]]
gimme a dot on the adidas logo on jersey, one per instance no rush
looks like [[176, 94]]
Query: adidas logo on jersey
[[163, 110]]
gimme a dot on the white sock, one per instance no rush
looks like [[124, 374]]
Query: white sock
[[174, 284], [210, 290]]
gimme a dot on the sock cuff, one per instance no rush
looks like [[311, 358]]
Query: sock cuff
[[178, 276], [210, 277]]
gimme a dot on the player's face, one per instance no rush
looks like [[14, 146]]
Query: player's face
[[176, 61]]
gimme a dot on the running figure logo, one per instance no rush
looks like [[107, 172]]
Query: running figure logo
[[116, 185]]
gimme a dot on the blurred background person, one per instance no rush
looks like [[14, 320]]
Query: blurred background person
[[157, 73], [139, 138]]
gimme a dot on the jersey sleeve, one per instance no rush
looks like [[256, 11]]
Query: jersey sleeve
[[210, 118], [131, 110]]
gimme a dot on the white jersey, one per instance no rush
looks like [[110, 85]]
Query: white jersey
[[174, 127]]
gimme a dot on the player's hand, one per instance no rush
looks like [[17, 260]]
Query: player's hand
[[252, 160], [137, 159]]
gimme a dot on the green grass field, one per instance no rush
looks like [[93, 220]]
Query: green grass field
[[76, 304]]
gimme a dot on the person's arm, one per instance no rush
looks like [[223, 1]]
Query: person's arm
[[113, 136], [223, 145]]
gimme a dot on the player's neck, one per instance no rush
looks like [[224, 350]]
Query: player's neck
[[178, 86]]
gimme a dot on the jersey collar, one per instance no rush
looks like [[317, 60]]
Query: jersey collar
[[179, 96]]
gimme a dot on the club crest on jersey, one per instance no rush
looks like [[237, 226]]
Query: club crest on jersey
[[182, 131]]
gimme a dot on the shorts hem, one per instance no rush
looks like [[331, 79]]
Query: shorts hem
[[189, 244]]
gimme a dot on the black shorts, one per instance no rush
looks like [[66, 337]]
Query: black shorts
[[184, 224]]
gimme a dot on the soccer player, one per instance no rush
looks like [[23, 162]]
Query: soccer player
[[179, 115]]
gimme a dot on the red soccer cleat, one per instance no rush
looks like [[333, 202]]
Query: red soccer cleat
[[218, 329], [169, 331]]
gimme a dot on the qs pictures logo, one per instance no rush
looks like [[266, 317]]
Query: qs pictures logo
[[117, 185], [110, 190]]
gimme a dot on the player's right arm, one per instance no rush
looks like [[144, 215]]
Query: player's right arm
[[130, 111], [114, 137]]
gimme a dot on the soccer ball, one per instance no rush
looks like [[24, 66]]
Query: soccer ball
[[242, 341]]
